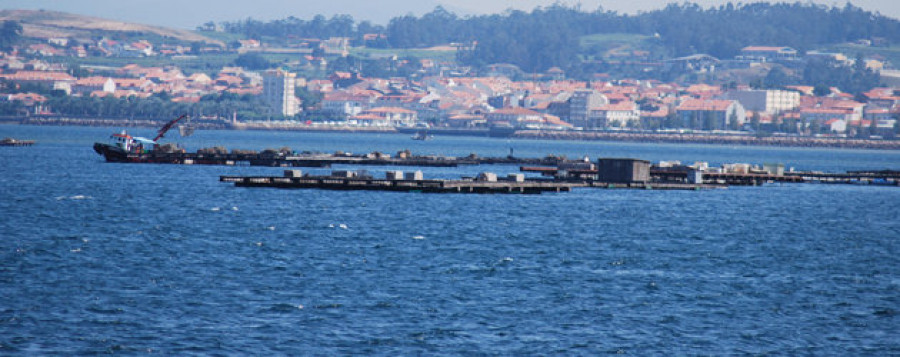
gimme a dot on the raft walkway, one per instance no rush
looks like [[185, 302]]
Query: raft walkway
[[424, 186], [328, 160], [486, 183]]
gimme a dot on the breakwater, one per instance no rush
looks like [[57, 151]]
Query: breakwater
[[639, 137], [110, 122], [716, 139]]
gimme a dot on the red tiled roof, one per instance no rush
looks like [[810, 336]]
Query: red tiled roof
[[369, 117], [554, 120], [38, 76], [515, 111], [28, 97], [619, 107], [92, 81], [762, 49], [705, 105], [837, 111], [390, 110]]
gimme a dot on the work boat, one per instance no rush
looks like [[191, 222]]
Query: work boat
[[123, 147], [421, 135]]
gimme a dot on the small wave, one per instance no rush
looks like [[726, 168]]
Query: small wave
[[283, 307], [215, 209], [105, 310], [73, 198], [418, 237], [270, 228]]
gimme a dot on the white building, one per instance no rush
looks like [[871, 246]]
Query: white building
[[581, 103], [278, 92], [619, 115], [768, 101]]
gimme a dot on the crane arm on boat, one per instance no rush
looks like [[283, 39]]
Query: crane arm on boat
[[165, 128]]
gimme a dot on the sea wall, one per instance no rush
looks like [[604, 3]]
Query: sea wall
[[677, 138]]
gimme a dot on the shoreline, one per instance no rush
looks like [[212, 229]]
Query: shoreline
[[713, 139], [670, 138]]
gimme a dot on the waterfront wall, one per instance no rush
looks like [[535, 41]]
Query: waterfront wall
[[108, 122], [711, 139], [676, 138]]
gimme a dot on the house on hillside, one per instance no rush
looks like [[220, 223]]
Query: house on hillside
[[710, 114], [39, 77], [698, 63], [385, 116], [337, 46], [524, 118], [89, 85], [504, 70], [582, 103], [768, 54], [622, 114], [134, 84], [28, 99], [348, 104], [768, 101], [466, 121]]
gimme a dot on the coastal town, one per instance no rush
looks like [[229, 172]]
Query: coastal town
[[303, 92], [449, 177]]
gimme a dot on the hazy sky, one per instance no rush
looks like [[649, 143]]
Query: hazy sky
[[191, 13]]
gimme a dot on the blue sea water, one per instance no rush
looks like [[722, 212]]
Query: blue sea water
[[100, 257]]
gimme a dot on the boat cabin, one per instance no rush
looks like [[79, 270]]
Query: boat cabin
[[132, 144]]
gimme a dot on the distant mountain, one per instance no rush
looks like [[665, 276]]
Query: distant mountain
[[45, 24]]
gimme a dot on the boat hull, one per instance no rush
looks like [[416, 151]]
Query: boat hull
[[111, 153], [114, 153]]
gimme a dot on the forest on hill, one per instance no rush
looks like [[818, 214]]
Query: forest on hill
[[547, 37]]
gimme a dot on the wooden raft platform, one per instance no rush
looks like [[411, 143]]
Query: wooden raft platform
[[413, 182], [16, 142], [326, 160], [425, 186]]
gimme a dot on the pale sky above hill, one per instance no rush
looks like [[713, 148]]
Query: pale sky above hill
[[188, 14]]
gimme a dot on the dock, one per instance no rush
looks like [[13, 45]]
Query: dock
[[270, 158], [414, 182], [667, 175], [423, 186], [883, 177], [16, 142]]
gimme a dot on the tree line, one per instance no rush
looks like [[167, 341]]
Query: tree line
[[546, 37], [157, 106]]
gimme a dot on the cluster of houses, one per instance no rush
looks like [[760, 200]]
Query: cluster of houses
[[488, 101], [64, 47], [559, 104], [130, 80]]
